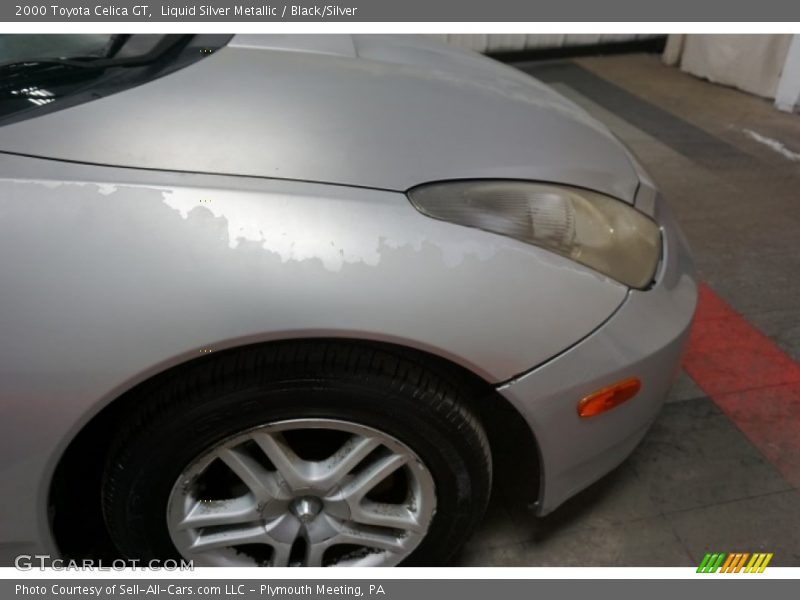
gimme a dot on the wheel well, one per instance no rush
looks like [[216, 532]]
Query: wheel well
[[75, 503]]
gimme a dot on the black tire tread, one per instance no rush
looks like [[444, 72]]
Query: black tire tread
[[441, 389]]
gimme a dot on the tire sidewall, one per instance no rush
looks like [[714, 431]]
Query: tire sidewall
[[145, 473]]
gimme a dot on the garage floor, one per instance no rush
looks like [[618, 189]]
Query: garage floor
[[720, 471]]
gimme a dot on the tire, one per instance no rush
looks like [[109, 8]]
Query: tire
[[176, 450]]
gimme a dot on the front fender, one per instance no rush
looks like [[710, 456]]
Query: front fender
[[110, 276]]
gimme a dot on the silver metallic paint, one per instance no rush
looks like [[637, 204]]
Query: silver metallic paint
[[339, 119], [110, 275], [125, 273], [644, 339]]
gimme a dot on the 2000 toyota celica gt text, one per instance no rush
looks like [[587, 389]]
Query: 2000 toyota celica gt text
[[273, 300]]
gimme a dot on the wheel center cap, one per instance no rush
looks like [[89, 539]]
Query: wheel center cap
[[306, 508]]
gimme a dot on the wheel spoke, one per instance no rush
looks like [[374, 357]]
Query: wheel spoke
[[231, 537], [291, 467], [281, 554], [257, 479], [371, 538], [282, 533], [395, 516], [314, 554], [208, 513], [372, 476], [346, 458]]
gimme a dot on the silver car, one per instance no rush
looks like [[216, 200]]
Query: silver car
[[273, 300]]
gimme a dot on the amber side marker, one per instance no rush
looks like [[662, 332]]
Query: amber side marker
[[609, 397]]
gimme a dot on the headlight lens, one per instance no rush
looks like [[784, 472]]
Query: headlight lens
[[592, 229]]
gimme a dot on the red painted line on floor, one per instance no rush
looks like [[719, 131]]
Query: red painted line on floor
[[751, 379]]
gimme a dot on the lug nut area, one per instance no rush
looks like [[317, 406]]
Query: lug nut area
[[306, 508]]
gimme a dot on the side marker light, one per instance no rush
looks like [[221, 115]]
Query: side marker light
[[608, 397]]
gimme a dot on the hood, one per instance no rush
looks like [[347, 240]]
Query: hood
[[387, 112]]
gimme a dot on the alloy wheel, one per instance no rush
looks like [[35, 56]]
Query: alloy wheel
[[304, 492]]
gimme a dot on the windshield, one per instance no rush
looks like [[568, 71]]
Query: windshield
[[40, 74], [23, 47]]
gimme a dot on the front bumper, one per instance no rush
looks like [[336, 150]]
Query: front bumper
[[644, 338]]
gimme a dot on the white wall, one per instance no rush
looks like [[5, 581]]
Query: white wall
[[787, 96], [765, 65], [510, 42]]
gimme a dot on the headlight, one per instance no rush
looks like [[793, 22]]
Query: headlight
[[592, 229]]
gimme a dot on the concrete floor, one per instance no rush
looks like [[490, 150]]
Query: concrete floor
[[708, 477]]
